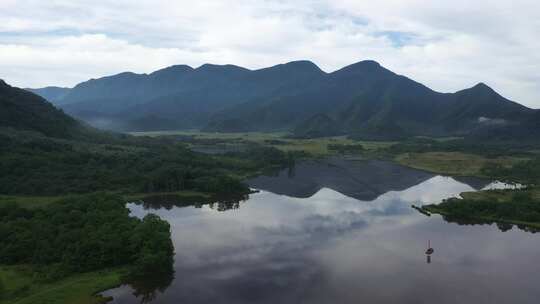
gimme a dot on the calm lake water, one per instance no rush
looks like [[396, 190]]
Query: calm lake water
[[340, 231]]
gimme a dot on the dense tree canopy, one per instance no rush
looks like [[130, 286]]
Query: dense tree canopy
[[44, 166], [83, 233]]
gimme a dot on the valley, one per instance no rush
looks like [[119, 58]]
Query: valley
[[269, 152], [89, 197]]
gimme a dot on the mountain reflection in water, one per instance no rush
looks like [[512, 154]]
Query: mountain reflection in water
[[280, 246], [363, 180]]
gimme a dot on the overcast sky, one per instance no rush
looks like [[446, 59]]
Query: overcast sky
[[447, 45]]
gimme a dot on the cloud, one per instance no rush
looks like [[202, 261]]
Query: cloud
[[445, 45]]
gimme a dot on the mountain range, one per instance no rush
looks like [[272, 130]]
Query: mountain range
[[363, 100]]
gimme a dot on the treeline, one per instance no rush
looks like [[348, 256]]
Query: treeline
[[522, 207], [46, 166], [84, 233], [527, 172], [485, 148]]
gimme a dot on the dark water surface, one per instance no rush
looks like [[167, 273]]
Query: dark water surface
[[341, 232]]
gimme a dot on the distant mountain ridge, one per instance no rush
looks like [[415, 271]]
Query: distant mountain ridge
[[54, 95], [363, 100]]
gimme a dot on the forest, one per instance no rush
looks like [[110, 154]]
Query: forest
[[82, 234], [37, 165], [74, 221]]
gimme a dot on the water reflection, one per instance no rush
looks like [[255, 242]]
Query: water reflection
[[360, 179], [147, 289], [429, 252], [335, 248], [168, 201], [503, 227]]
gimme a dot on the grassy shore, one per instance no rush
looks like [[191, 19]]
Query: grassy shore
[[453, 163], [20, 287], [499, 196], [280, 140], [511, 206]]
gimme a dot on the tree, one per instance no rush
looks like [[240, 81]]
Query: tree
[[152, 243]]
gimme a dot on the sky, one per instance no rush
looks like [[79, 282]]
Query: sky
[[446, 45]]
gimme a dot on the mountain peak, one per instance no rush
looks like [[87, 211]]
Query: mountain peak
[[174, 69], [364, 66], [483, 94], [481, 86], [295, 66], [216, 67], [305, 65], [49, 87], [302, 63], [369, 63], [125, 74]]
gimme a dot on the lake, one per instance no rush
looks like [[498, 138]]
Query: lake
[[340, 231]]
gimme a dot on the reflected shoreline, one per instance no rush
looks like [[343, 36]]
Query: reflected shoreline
[[168, 201], [503, 226]]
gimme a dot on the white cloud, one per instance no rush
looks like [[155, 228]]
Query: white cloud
[[447, 45]]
